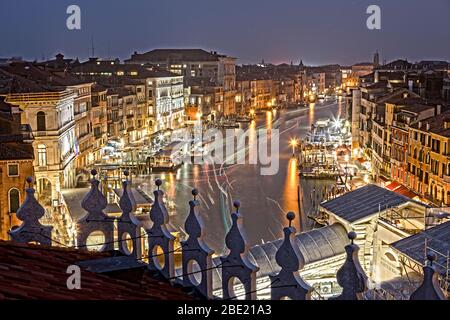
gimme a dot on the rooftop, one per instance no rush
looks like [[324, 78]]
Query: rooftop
[[314, 246], [165, 55], [438, 239], [437, 124], [364, 202], [16, 150], [39, 272], [95, 67]]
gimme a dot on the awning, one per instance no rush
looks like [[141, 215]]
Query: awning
[[393, 186], [406, 192]]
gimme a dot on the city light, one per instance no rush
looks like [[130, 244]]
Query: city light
[[294, 144]]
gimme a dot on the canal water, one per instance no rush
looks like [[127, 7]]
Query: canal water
[[265, 200]]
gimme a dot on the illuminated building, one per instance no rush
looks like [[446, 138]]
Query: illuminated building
[[16, 164], [196, 64]]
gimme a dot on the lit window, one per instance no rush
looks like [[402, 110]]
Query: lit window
[[120, 73], [13, 170], [42, 155]]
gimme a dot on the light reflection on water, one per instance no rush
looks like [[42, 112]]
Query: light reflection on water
[[265, 200]]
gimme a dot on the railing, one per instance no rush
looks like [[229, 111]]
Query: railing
[[194, 250]]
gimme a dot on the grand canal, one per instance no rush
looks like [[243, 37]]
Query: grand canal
[[265, 199]]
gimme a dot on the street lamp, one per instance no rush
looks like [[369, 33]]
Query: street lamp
[[294, 144]]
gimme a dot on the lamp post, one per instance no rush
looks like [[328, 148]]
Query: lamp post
[[294, 144]]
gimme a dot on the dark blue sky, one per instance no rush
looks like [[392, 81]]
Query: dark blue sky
[[317, 31]]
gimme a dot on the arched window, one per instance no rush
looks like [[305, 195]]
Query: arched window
[[14, 200], [390, 256], [42, 155], [40, 119]]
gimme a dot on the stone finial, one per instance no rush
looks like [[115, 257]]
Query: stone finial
[[237, 264], [430, 288], [31, 230], [351, 276], [288, 282], [195, 250], [160, 238], [128, 229], [94, 202]]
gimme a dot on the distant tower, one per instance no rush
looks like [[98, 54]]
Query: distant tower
[[301, 64], [376, 60]]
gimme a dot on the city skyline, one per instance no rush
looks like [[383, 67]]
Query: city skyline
[[241, 33]]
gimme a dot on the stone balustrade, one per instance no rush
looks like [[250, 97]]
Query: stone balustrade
[[196, 257]]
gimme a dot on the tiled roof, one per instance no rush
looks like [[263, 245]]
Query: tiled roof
[[364, 202], [39, 272], [25, 77], [143, 72], [438, 238], [437, 124], [15, 150], [163, 55]]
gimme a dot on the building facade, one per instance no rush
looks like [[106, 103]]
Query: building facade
[[196, 64], [16, 165]]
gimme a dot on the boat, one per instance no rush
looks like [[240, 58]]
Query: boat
[[169, 158], [243, 119], [229, 125]]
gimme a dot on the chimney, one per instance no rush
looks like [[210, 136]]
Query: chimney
[[377, 76], [438, 109], [428, 126]]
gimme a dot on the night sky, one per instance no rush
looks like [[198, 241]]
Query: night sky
[[317, 31]]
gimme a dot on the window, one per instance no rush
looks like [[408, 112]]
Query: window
[[42, 155], [13, 170], [14, 200], [40, 119]]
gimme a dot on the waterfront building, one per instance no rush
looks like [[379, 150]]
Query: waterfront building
[[401, 113], [380, 218], [196, 63], [243, 96], [204, 100], [428, 163], [82, 109], [16, 164], [164, 91], [50, 112], [99, 121]]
